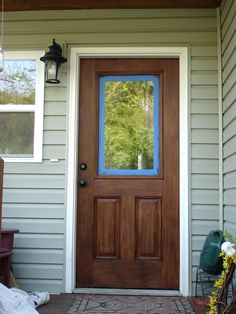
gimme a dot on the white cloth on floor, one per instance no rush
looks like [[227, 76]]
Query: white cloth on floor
[[16, 301], [39, 298]]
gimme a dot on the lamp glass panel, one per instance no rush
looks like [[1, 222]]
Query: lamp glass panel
[[51, 70]]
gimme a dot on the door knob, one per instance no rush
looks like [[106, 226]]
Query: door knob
[[82, 182], [83, 166]]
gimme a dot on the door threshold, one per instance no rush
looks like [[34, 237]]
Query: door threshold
[[142, 292]]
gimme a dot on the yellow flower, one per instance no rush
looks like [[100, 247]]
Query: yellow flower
[[227, 261]]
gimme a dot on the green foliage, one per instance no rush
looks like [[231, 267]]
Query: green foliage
[[17, 84], [128, 124], [229, 237]]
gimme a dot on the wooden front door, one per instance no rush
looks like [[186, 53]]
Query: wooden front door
[[128, 174]]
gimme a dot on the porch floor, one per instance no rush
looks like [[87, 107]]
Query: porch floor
[[108, 304]]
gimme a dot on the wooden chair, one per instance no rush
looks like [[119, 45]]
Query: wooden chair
[[1, 186], [5, 253]]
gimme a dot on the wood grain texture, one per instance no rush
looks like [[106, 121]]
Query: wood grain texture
[[32, 5], [149, 206], [107, 227], [107, 272], [148, 228]]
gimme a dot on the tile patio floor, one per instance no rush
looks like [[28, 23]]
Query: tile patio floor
[[109, 304]]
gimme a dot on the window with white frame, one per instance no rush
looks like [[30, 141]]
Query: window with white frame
[[21, 106]]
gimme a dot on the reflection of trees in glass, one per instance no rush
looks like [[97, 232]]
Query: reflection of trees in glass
[[128, 125], [17, 87], [17, 82], [16, 133]]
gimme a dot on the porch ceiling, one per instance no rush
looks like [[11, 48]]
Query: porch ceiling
[[32, 5]]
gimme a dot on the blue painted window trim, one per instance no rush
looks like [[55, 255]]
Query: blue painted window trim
[[133, 172]]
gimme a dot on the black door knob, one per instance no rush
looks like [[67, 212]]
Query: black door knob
[[83, 166], [82, 182]]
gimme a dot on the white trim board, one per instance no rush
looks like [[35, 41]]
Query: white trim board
[[37, 108], [143, 292], [115, 52]]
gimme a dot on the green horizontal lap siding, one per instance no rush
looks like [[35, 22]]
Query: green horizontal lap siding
[[44, 205], [54, 137], [42, 196], [38, 271], [204, 148], [228, 33], [205, 166], [231, 112], [205, 136], [36, 226], [56, 108], [54, 123], [205, 181], [229, 150], [59, 151], [41, 181], [229, 131], [205, 154], [35, 240], [229, 163], [230, 214], [202, 212], [200, 121], [40, 284], [18, 210], [46, 167], [203, 227], [229, 180]]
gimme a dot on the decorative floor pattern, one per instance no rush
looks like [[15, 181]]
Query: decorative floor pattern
[[107, 304]]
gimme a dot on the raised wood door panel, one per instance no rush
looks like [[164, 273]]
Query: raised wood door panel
[[128, 226], [107, 228], [148, 223]]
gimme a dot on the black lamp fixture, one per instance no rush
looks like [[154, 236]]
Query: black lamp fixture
[[53, 59]]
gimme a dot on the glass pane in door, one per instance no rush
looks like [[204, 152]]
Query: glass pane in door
[[129, 125]]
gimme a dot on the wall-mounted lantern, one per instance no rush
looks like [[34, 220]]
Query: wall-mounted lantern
[[53, 59]]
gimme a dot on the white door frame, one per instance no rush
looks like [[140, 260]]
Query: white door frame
[[146, 52]]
